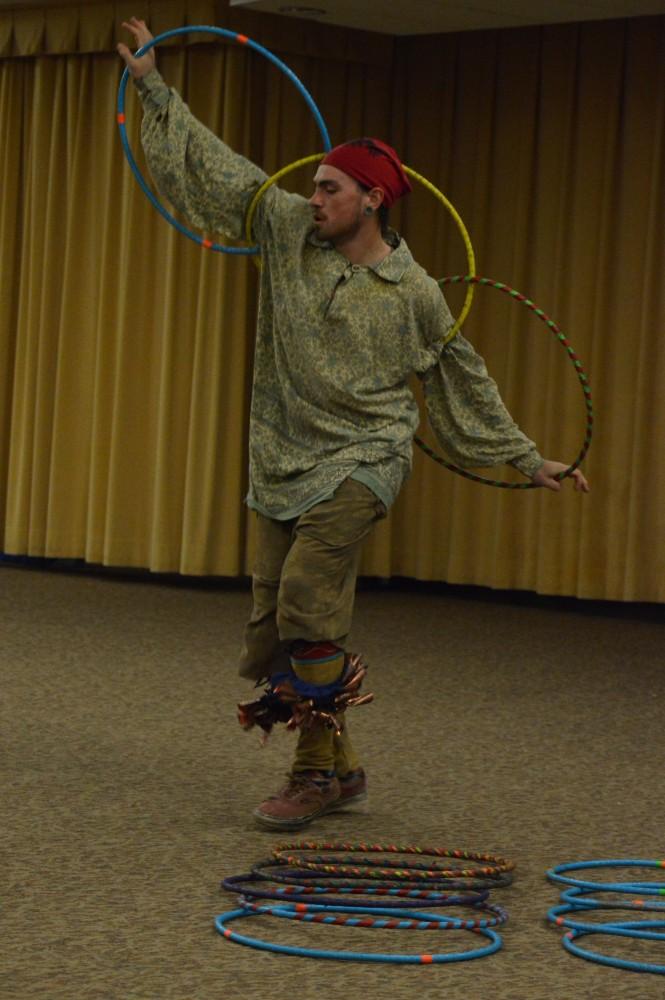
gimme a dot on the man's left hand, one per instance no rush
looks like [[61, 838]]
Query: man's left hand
[[547, 472]]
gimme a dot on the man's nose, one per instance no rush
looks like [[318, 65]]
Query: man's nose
[[315, 200]]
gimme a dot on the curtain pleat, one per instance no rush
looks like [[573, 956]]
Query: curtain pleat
[[94, 26], [126, 350], [552, 153], [11, 116]]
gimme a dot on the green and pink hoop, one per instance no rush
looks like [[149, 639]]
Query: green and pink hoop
[[577, 364]]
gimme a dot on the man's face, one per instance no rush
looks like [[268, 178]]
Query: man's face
[[337, 204]]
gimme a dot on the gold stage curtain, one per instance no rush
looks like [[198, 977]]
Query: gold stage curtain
[[126, 350], [551, 144]]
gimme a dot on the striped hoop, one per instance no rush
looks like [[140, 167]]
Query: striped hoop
[[577, 364]]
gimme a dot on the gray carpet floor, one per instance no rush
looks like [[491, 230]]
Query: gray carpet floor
[[127, 787]]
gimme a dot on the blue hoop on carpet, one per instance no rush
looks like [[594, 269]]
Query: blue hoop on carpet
[[351, 956], [576, 900]]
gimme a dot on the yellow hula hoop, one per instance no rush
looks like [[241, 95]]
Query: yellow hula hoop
[[249, 221], [470, 256]]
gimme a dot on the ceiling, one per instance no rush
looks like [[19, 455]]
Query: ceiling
[[424, 17]]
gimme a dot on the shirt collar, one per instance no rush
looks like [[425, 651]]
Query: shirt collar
[[392, 268]]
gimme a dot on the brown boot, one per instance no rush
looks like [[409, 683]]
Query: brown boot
[[307, 795], [353, 788]]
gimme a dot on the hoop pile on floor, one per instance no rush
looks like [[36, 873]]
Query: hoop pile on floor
[[578, 900], [349, 888]]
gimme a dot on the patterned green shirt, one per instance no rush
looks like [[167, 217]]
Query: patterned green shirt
[[336, 342]]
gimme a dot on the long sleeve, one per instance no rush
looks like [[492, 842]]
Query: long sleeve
[[468, 415], [200, 175]]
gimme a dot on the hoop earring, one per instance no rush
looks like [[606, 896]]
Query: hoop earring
[[368, 210]]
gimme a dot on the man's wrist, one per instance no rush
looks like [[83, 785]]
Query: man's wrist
[[529, 463], [152, 89]]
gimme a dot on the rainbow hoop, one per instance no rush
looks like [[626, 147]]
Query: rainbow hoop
[[577, 364], [296, 855], [295, 879], [470, 256], [121, 118]]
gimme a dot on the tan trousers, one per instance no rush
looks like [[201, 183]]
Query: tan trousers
[[303, 587]]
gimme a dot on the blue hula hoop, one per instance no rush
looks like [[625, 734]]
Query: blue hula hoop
[[557, 874], [577, 900], [242, 40], [627, 929], [351, 956]]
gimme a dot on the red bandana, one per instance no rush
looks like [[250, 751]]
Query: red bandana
[[373, 164]]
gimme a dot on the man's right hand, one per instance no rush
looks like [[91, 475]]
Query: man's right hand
[[142, 66]]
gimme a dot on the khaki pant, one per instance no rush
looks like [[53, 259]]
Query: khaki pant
[[304, 577], [303, 587]]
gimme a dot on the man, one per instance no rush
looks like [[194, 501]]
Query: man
[[345, 317]]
